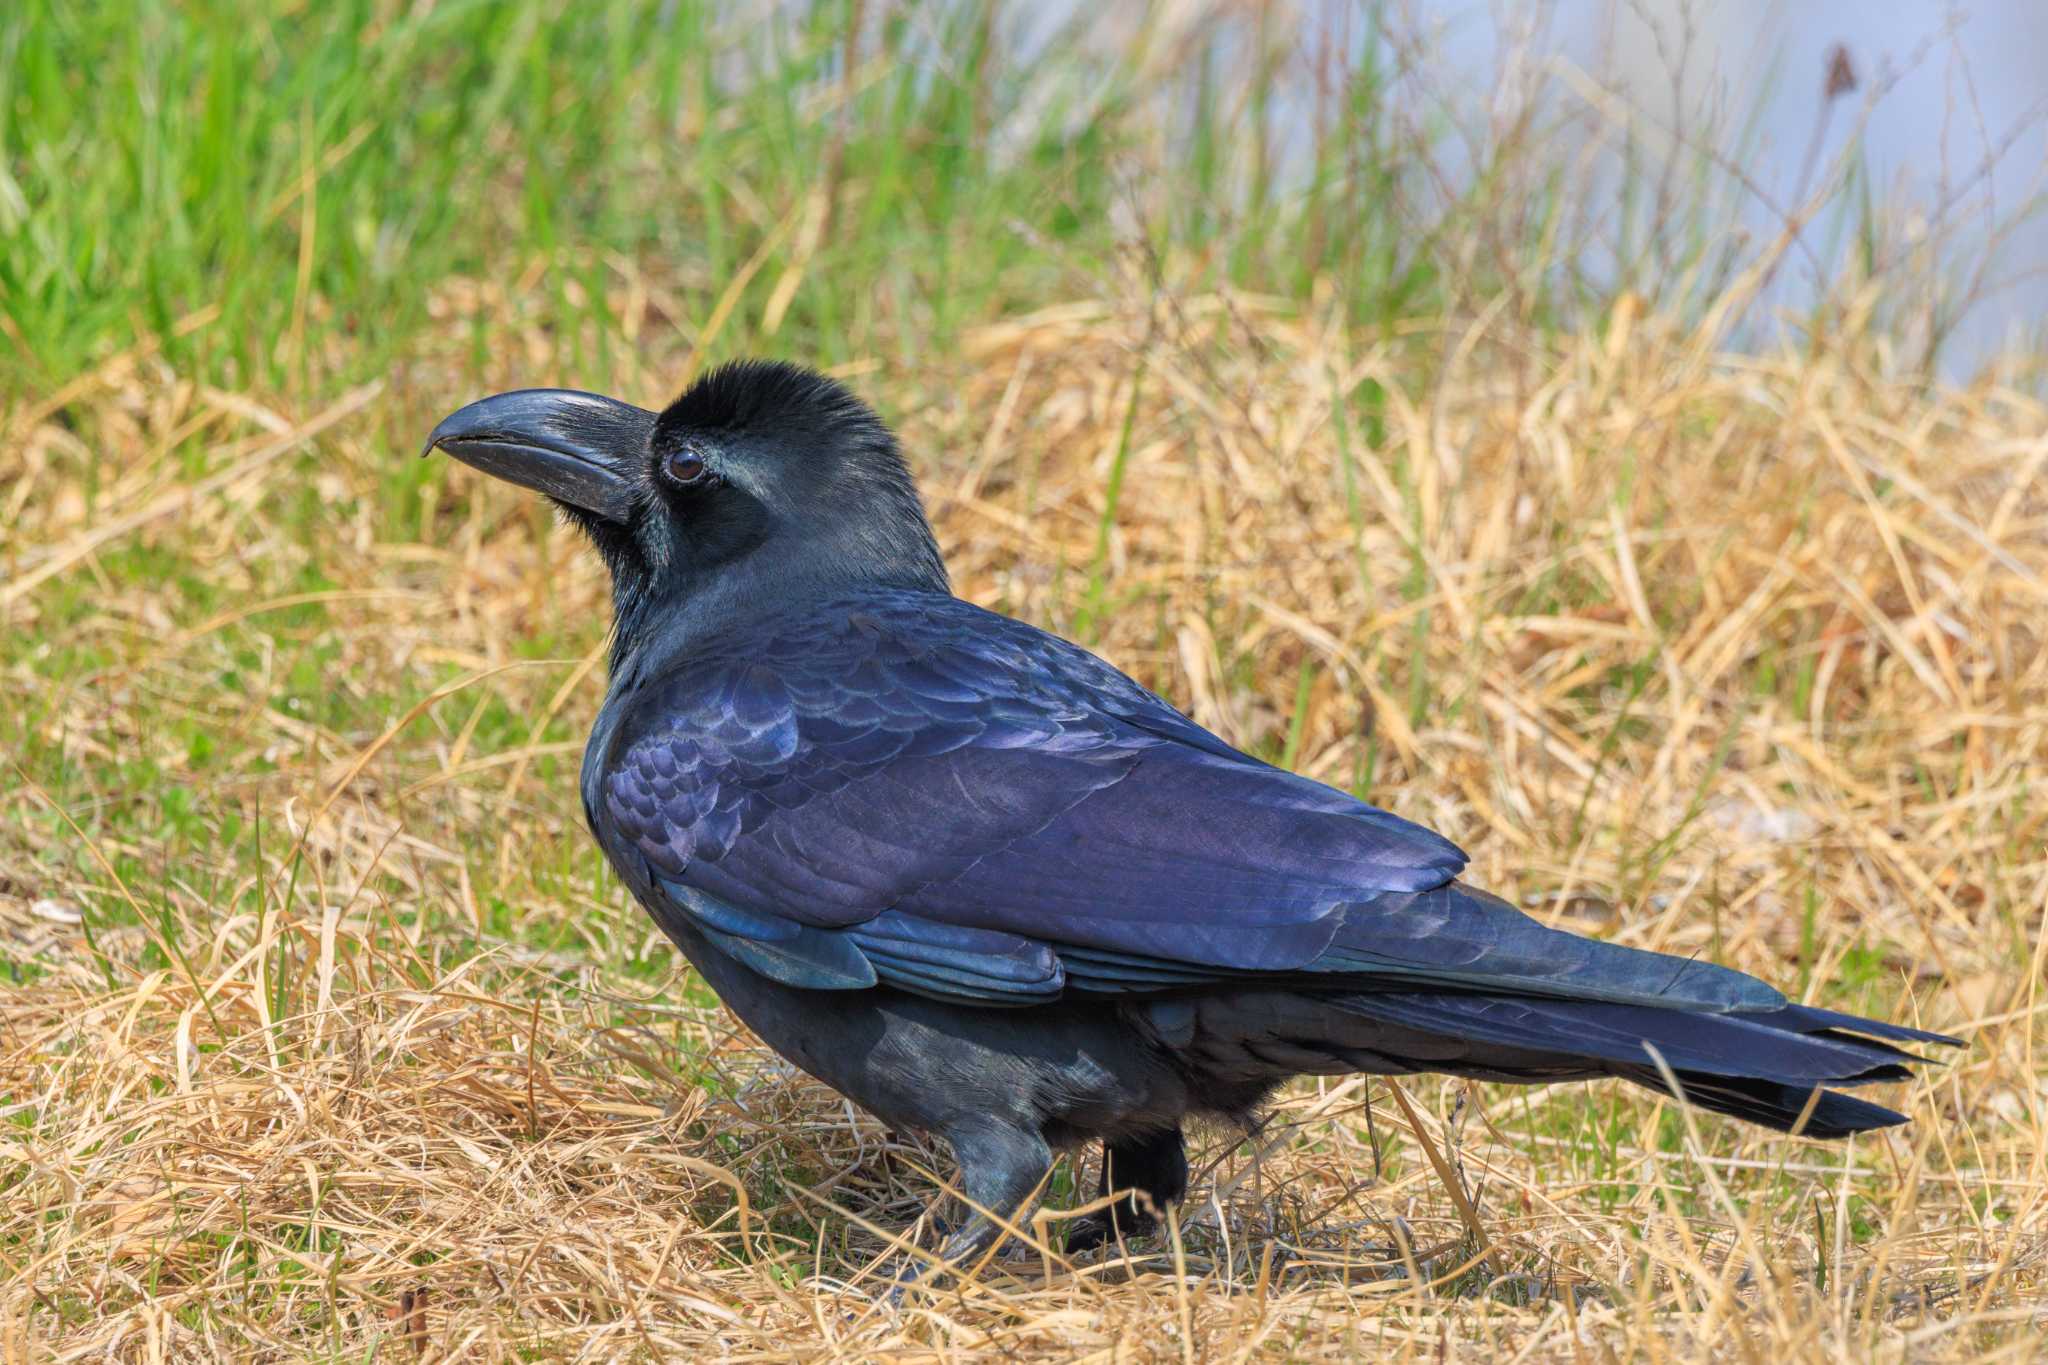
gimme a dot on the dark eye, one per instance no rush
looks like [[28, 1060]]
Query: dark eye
[[687, 468]]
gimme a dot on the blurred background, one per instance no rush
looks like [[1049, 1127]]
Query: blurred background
[[1611, 433], [315, 169]]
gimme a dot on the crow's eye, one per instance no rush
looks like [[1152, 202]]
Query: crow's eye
[[687, 468]]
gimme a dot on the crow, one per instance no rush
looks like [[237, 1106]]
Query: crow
[[979, 881]]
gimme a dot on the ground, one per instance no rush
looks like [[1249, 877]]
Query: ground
[[324, 1032], [1701, 655]]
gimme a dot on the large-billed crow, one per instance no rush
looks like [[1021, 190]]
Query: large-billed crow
[[986, 885]]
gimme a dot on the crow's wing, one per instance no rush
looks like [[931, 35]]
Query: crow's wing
[[904, 787]]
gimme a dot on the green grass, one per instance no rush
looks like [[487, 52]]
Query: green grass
[[280, 200], [287, 201], [300, 172]]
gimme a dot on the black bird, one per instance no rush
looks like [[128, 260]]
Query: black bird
[[989, 887]]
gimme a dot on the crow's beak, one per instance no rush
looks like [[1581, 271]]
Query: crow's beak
[[578, 448]]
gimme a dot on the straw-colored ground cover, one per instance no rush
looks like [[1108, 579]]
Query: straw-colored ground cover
[[322, 1032], [1391, 431]]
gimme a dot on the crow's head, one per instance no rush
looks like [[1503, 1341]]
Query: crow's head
[[762, 474]]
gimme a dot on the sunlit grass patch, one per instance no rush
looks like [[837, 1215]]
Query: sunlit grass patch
[[292, 1035], [325, 1031]]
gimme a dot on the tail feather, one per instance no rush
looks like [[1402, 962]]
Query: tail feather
[[1766, 1046], [1776, 1106], [1763, 1066], [1812, 1019]]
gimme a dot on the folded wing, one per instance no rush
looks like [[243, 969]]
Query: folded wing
[[922, 783]]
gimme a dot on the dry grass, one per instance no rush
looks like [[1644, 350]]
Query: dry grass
[[1714, 655]]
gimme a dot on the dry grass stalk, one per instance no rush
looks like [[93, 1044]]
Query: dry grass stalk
[[1742, 659]]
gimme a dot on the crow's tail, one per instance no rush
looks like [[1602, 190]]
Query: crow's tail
[[1767, 1066]]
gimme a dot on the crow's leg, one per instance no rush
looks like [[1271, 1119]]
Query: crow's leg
[[1154, 1168], [1000, 1168]]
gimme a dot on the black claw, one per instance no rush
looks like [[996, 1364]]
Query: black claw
[[1154, 1171]]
